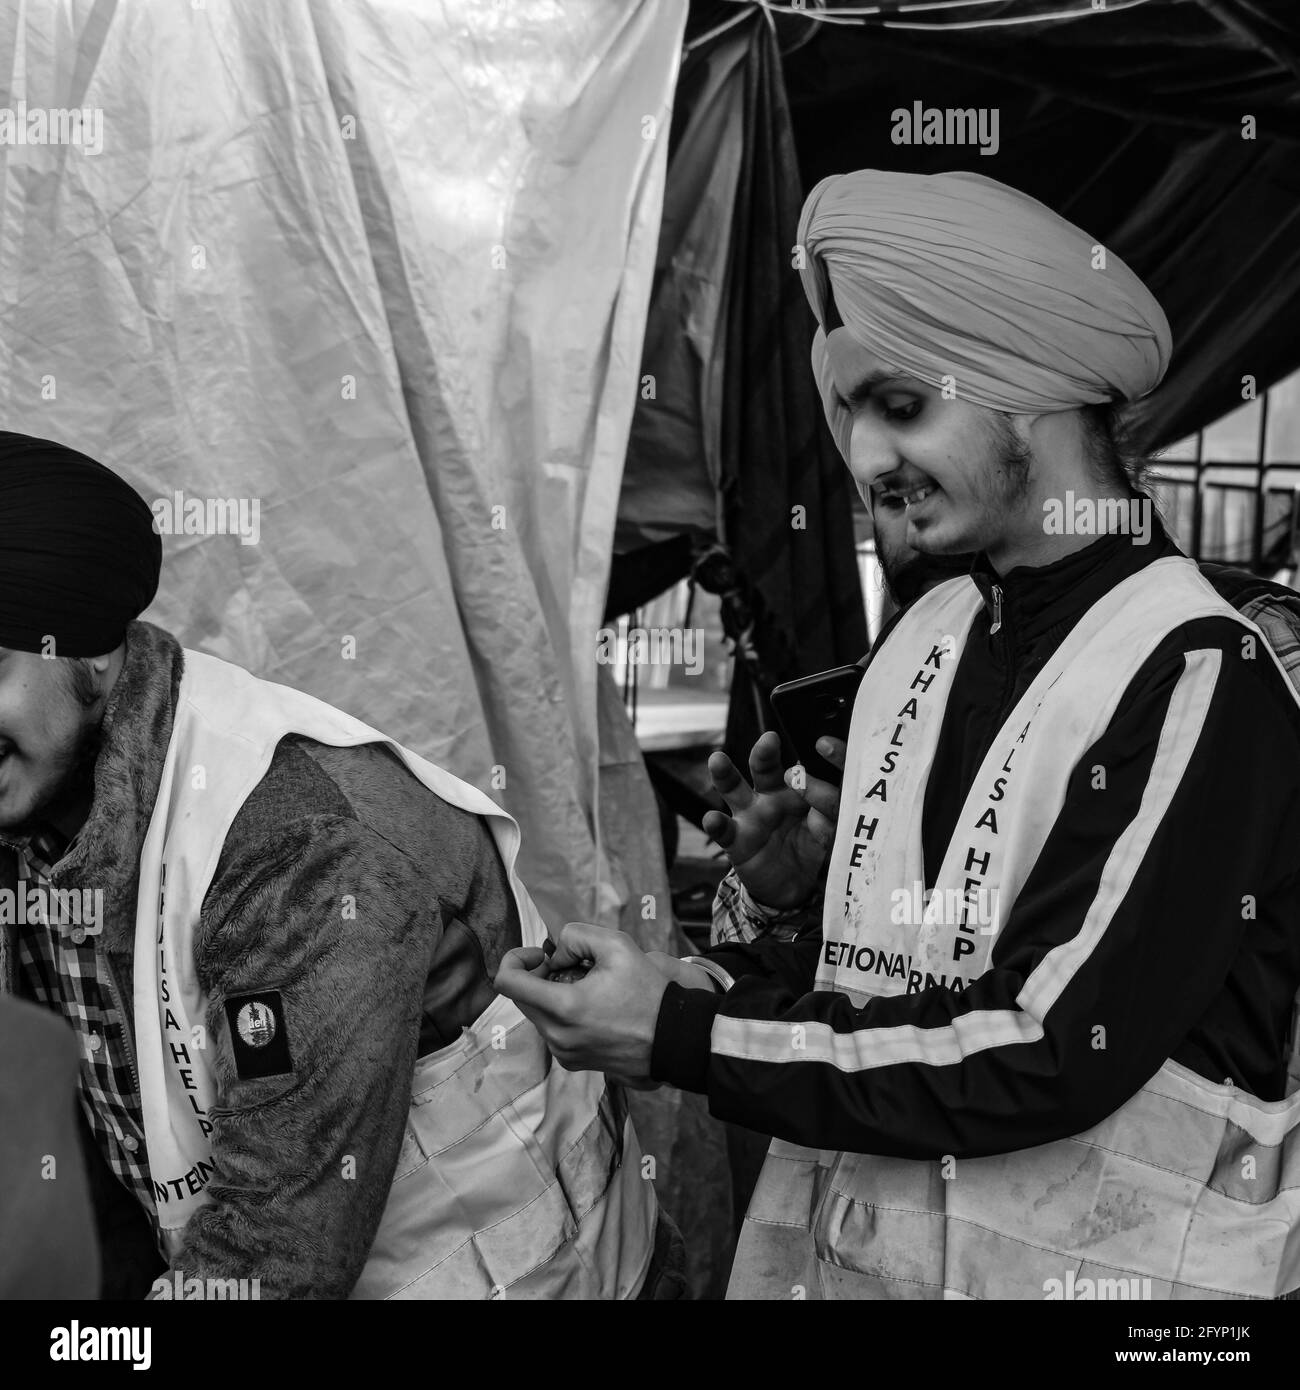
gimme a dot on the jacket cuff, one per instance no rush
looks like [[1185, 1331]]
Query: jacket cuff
[[681, 1050]]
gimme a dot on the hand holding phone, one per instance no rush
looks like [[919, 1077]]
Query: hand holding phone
[[775, 837], [818, 707]]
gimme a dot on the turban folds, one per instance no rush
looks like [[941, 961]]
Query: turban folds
[[79, 556], [957, 275]]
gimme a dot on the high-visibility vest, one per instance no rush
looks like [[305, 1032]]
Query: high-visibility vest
[[1158, 1199], [516, 1178]]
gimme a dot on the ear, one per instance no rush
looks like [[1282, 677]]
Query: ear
[[100, 665], [1041, 433]]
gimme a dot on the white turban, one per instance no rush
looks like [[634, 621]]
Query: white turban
[[957, 275]]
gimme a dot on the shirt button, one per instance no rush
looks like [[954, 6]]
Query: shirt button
[[96, 1042], [130, 1143], [79, 935]]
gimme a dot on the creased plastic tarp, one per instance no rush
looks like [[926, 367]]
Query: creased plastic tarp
[[381, 268]]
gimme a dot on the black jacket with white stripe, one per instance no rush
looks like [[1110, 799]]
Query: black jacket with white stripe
[[1200, 962]]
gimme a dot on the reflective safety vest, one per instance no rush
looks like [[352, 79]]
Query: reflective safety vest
[[1156, 1201], [516, 1178]]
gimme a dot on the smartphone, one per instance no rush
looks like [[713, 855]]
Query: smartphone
[[814, 707]]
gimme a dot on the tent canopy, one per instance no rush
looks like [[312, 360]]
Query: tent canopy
[[1169, 130]]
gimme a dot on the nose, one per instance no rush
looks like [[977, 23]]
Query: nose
[[873, 453]]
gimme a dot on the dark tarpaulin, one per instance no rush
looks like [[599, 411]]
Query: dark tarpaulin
[[787, 496], [1130, 123], [672, 469], [735, 404], [734, 410], [1218, 241]]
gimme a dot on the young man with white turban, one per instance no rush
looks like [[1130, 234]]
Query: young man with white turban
[[1039, 1033], [273, 931]]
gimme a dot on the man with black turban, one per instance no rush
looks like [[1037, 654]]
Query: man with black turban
[[1035, 1044], [273, 932]]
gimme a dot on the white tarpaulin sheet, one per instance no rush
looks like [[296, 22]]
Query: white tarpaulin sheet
[[379, 272]]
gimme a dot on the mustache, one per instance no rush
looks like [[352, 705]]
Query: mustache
[[896, 485]]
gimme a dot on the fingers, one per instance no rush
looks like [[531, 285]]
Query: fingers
[[823, 797], [821, 828], [581, 942], [728, 782], [765, 763], [521, 961], [561, 959], [530, 957], [720, 828], [766, 774], [521, 978], [833, 750]]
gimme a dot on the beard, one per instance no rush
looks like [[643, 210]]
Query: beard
[[1009, 481], [1001, 477], [908, 573], [1004, 483], [70, 782], [80, 776]]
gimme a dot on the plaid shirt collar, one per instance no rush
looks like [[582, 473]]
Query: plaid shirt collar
[[38, 850]]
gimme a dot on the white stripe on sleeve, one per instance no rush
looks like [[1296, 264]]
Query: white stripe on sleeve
[[868, 1048]]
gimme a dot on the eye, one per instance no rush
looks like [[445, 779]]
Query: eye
[[909, 411]]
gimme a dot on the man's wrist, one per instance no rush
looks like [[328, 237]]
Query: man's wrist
[[761, 909], [719, 979], [681, 1050], [739, 917], [774, 918]]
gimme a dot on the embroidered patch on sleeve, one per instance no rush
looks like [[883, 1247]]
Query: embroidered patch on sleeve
[[258, 1035]]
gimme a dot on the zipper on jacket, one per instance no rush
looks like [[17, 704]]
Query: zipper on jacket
[[1008, 650], [110, 975], [127, 1024]]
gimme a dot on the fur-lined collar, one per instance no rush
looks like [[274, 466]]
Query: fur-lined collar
[[137, 728]]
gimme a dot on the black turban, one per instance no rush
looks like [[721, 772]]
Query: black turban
[[79, 556]]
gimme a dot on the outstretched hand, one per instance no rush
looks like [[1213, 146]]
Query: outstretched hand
[[779, 829]]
